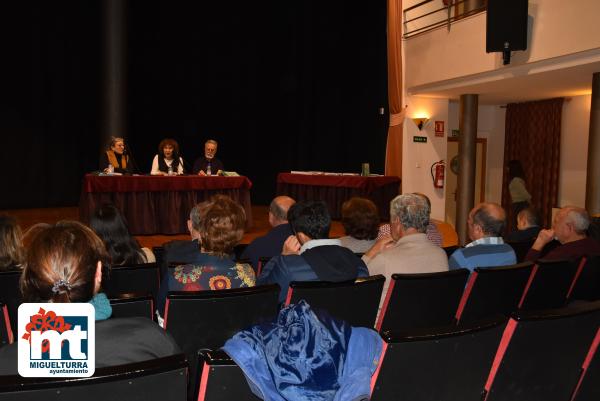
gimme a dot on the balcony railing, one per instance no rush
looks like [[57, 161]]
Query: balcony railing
[[432, 14]]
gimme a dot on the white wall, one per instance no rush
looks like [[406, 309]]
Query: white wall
[[573, 151], [417, 158]]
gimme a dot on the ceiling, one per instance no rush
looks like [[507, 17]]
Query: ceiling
[[520, 83]]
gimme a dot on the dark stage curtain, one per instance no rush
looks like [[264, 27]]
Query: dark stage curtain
[[281, 85], [533, 137]]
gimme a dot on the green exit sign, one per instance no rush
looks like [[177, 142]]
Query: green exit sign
[[421, 139]]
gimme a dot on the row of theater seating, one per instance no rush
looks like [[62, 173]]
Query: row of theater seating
[[549, 355]]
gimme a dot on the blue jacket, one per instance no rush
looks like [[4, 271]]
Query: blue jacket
[[305, 357], [268, 246]]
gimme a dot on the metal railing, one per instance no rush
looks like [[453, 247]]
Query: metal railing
[[432, 14]]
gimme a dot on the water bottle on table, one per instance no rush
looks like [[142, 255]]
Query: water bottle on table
[[208, 172], [170, 170]]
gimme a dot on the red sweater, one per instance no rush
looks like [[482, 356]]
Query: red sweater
[[570, 250]]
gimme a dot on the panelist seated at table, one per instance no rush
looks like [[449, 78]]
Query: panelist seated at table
[[168, 159], [116, 157], [208, 164]]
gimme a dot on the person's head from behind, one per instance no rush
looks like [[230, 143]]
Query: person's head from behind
[[528, 217], [117, 145], [409, 214], [486, 220], [570, 224], [11, 245], [360, 218], [221, 226], [168, 149], [515, 169], [196, 216], [310, 220], [110, 225], [63, 264], [210, 149], [278, 210]]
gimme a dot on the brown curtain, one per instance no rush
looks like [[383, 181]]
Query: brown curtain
[[393, 156], [533, 137]]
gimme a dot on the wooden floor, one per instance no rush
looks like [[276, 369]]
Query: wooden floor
[[28, 217]]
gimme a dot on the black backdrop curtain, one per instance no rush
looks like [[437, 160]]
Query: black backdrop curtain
[[281, 85]]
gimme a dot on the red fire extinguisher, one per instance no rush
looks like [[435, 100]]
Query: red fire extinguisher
[[438, 176]]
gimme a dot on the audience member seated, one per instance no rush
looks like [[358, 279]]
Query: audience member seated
[[167, 161], [109, 224], [222, 223], [11, 246], [116, 157], [407, 250], [270, 245], [208, 164], [360, 219], [485, 224], [432, 232], [64, 264], [570, 229], [528, 226], [310, 255]]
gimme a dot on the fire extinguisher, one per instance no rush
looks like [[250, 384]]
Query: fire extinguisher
[[438, 176]]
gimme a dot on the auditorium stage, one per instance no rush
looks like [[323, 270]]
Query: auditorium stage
[[28, 217]]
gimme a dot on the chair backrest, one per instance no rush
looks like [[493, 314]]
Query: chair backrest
[[262, 261], [132, 305], [139, 279], [154, 380], [221, 379], [541, 354], [450, 249], [492, 291], [6, 334], [521, 248], [548, 284], [446, 363], [159, 254], [206, 319], [10, 293], [587, 285], [421, 300], [355, 301], [588, 387]]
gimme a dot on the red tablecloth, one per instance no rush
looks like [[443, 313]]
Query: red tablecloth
[[335, 189], [159, 204]]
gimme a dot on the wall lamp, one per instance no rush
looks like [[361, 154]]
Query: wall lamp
[[420, 122]]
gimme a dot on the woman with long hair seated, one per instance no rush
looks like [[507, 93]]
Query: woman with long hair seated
[[64, 264], [167, 161], [109, 224], [11, 245], [222, 223]]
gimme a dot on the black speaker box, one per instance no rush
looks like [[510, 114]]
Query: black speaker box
[[506, 23]]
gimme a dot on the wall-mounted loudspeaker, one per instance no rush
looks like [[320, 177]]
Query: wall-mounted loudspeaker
[[506, 27]]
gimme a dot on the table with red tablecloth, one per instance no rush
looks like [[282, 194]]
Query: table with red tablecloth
[[159, 204], [335, 189]]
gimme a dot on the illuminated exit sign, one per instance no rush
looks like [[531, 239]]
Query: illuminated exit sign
[[421, 139]]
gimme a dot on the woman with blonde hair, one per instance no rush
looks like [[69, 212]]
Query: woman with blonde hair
[[64, 264], [115, 158]]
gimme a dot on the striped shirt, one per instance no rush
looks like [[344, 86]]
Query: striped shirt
[[484, 252]]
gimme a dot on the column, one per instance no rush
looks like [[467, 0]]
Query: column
[[467, 147], [592, 187]]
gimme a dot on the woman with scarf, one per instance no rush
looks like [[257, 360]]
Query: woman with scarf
[[117, 158]]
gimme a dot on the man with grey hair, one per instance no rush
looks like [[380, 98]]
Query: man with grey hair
[[407, 250], [208, 164], [271, 244], [485, 224], [569, 227]]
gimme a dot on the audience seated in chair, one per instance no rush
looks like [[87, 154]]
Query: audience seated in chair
[[485, 224], [310, 255], [64, 264], [222, 222], [270, 244], [528, 226], [408, 250], [360, 219], [570, 229], [433, 234]]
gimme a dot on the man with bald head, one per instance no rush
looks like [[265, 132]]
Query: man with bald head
[[570, 229], [271, 244], [485, 224]]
